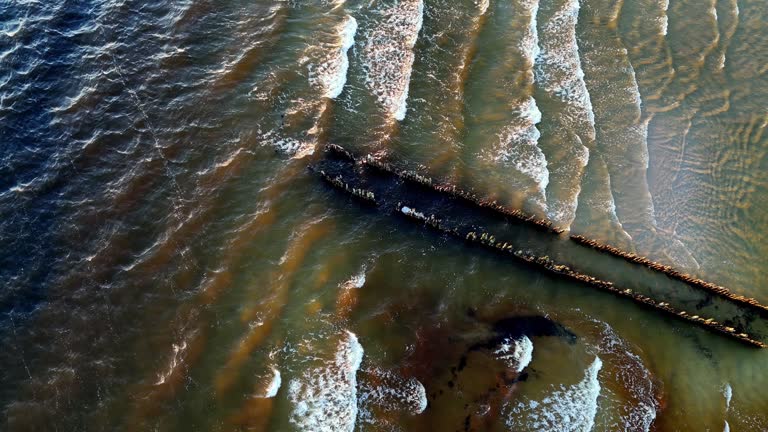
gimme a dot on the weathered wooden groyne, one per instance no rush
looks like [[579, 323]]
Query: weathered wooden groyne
[[359, 193], [355, 175], [489, 241], [671, 272], [446, 188], [542, 224]]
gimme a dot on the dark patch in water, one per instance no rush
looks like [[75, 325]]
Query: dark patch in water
[[532, 326], [705, 302]]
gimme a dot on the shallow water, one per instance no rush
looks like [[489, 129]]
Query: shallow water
[[170, 263]]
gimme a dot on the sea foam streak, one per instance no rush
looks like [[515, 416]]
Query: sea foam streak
[[558, 66], [518, 141], [638, 408], [388, 54], [325, 398], [518, 144], [559, 75], [331, 74], [571, 408], [274, 384], [176, 360], [728, 393], [356, 281], [388, 391]]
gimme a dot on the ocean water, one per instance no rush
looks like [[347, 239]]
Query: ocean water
[[169, 261]]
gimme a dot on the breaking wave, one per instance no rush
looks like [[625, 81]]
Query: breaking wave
[[518, 140], [388, 391], [325, 398], [559, 75], [516, 353], [356, 281], [331, 74], [558, 65], [274, 384], [519, 145], [388, 55], [567, 408], [637, 409], [176, 360]]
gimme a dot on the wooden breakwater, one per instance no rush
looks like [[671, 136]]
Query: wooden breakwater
[[545, 225], [747, 302], [545, 263], [339, 183], [445, 188]]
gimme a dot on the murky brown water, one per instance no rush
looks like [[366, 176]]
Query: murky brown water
[[170, 263]]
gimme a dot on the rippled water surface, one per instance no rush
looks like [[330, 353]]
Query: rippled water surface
[[169, 262]]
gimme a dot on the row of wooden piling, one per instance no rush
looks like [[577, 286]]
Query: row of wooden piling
[[452, 190], [473, 199], [339, 183], [489, 241], [672, 273], [545, 262], [445, 188]]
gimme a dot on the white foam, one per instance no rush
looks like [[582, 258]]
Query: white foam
[[331, 74], [274, 384], [518, 144], [516, 353], [388, 54], [356, 281], [665, 18], [568, 408], [559, 73], [222, 164], [482, 5], [633, 376], [176, 360], [728, 393], [335, 3], [390, 392], [17, 189], [324, 399], [12, 27], [297, 148], [409, 211], [558, 65], [530, 41]]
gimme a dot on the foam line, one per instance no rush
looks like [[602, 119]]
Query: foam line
[[324, 399], [571, 122], [570, 408], [388, 57]]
